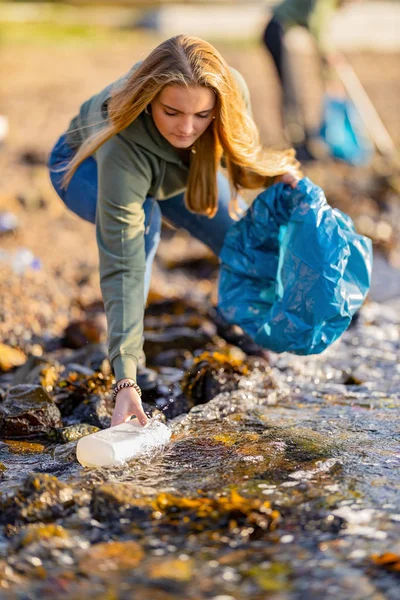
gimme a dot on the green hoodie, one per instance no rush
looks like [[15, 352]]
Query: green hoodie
[[136, 163]]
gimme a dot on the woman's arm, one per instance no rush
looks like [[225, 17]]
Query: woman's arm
[[124, 178]]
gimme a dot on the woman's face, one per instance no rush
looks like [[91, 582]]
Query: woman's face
[[182, 114]]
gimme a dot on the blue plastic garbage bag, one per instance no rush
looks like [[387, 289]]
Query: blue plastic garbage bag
[[293, 270], [344, 132]]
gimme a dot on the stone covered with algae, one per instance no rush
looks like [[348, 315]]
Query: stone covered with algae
[[28, 411], [38, 533], [41, 498], [192, 513], [103, 558], [112, 501], [211, 374]]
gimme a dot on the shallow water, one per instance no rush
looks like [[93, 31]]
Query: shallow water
[[290, 492]]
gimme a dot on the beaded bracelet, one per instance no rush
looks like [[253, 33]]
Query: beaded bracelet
[[126, 384]]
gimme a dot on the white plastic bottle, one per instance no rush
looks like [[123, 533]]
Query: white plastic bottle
[[118, 444]]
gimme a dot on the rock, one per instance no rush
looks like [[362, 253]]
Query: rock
[[38, 532], [66, 452], [92, 330], [95, 410], [78, 392], [173, 406], [103, 558], [73, 433], [112, 501], [92, 356], [29, 371], [211, 374], [171, 306], [173, 337], [10, 358], [76, 368], [179, 359], [172, 568], [41, 498], [22, 447], [28, 411]]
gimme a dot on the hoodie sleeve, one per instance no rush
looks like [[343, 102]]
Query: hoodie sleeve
[[124, 180]]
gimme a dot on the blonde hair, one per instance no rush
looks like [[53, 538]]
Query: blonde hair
[[189, 61]]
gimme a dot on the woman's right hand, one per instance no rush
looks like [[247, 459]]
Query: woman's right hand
[[128, 403]]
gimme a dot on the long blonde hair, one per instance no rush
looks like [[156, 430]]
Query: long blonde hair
[[189, 61]]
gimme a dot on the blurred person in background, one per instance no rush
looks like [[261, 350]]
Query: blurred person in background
[[150, 146], [315, 16]]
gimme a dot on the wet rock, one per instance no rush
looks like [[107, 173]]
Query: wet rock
[[157, 322], [179, 359], [271, 577], [173, 337], [92, 356], [172, 406], [73, 433], [76, 368], [3, 469], [10, 357], [92, 330], [85, 394], [65, 453], [8, 577], [102, 559], [172, 306], [114, 501], [41, 498], [28, 411], [37, 533], [176, 569], [203, 512], [211, 374], [95, 410], [22, 447], [30, 371]]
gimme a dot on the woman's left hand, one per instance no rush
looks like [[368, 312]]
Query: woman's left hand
[[289, 179]]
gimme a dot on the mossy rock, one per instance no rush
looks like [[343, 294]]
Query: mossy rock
[[112, 501], [28, 411], [211, 374], [41, 498]]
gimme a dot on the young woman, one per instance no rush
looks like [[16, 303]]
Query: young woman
[[150, 146], [314, 16]]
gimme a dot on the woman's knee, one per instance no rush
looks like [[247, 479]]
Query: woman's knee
[[80, 195]]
